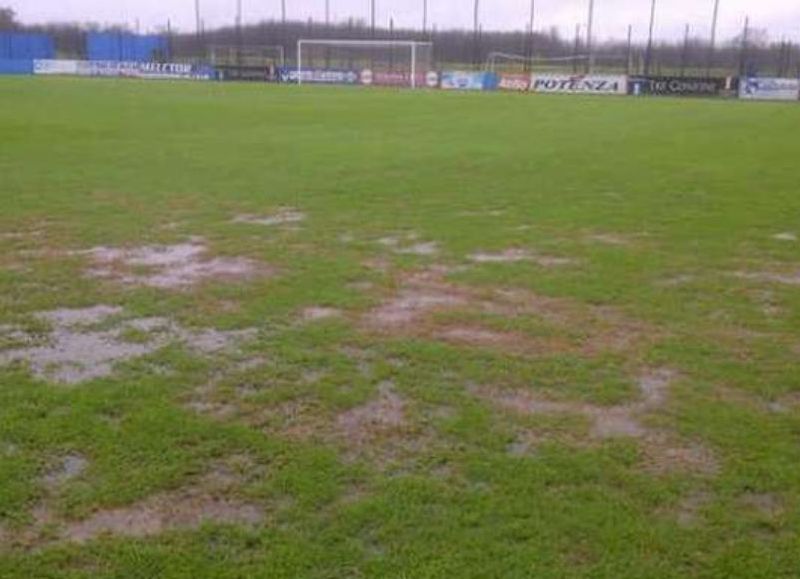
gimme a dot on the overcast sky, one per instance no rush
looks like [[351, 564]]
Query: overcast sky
[[780, 17]]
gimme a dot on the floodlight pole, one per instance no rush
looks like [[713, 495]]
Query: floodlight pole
[[589, 43], [424, 17], [649, 53], [476, 24], [629, 63], [712, 46], [529, 47], [197, 16], [299, 62]]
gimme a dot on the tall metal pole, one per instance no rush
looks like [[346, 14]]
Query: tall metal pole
[[475, 25], [629, 62], [529, 45], [648, 56], [239, 39], [372, 17], [712, 45], [589, 45], [576, 48], [685, 51], [197, 17], [743, 52], [424, 17], [327, 13]]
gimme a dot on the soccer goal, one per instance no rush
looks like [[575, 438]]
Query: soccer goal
[[503, 62], [369, 62]]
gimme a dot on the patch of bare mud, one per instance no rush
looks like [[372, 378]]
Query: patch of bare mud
[[767, 505], [507, 256], [67, 468], [411, 304], [521, 255], [678, 280], [282, 217], [314, 314], [687, 513], [429, 248], [768, 277], [578, 328], [376, 417], [73, 351], [168, 266], [614, 239], [186, 509], [410, 245], [662, 454]]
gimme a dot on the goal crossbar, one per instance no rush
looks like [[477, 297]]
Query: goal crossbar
[[412, 44]]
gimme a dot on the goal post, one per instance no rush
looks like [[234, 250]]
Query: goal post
[[388, 62]]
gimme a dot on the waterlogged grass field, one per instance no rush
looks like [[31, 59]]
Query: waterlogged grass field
[[251, 331]]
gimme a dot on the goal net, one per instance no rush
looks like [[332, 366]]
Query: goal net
[[368, 62]]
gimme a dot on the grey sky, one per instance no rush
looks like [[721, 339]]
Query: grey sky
[[781, 17]]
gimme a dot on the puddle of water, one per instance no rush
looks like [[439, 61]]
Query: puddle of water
[[608, 239], [168, 266], [386, 412], [615, 423], [82, 316], [73, 353], [70, 467], [410, 305], [284, 216], [507, 256], [314, 314], [654, 387], [155, 516], [430, 248], [785, 279]]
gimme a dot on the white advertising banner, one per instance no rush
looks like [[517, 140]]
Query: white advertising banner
[[55, 67], [579, 84], [770, 89]]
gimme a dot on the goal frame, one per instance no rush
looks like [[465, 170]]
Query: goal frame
[[333, 43]]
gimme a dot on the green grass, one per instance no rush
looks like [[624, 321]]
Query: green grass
[[695, 189]]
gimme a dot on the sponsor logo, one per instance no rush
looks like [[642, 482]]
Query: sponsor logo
[[366, 76], [518, 82], [319, 76], [665, 85], [770, 88], [463, 80], [432, 79], [580, 84]]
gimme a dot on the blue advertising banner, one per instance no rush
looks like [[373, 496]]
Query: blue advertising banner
[[318, 76], [459, 80], [770, 89], [16, 66]]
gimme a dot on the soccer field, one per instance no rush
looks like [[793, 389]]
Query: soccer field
[[270, 331]]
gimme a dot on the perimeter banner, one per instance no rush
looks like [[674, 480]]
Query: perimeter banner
[[114, 68], [514, 82], [459, 80], [678, 86], [579, 84], [318, 76], [769, 89], [397, 78], [69, 67]]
